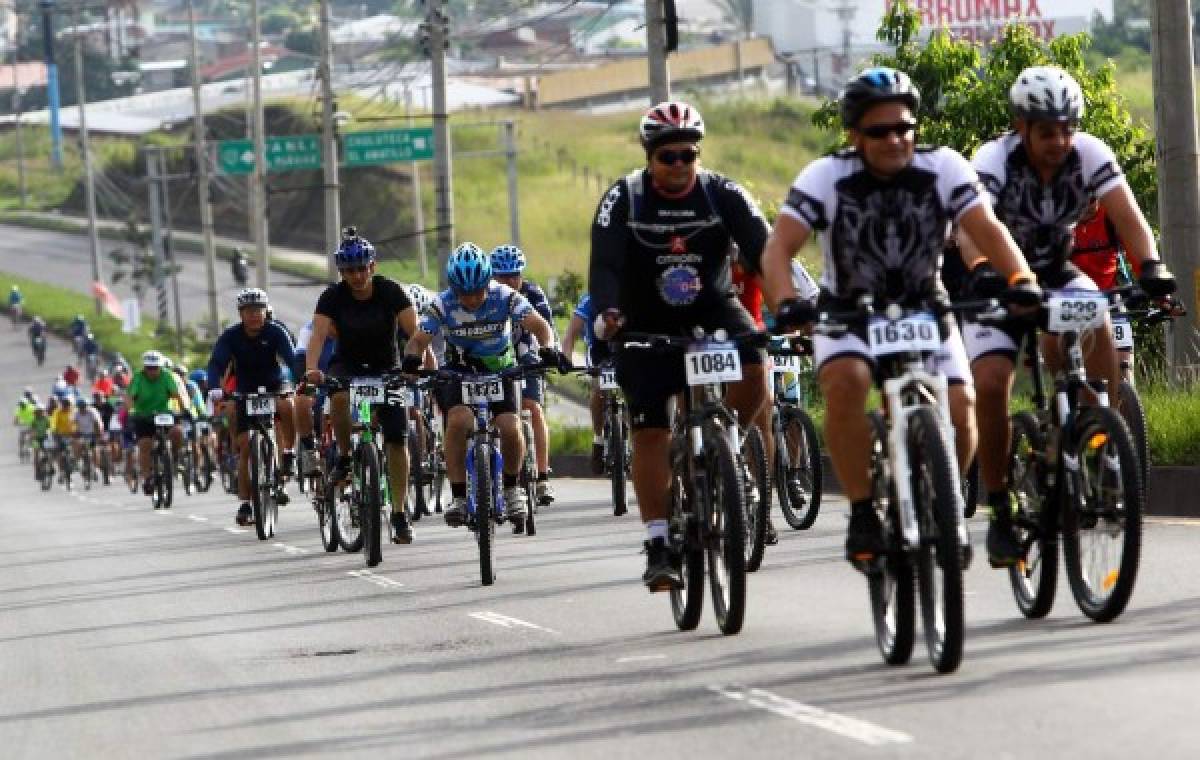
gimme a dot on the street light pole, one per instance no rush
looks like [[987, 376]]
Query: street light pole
[[201, 152], [443, 190], [262, 258], [88, 178], [656, 52], [329, 145], [47, 7]]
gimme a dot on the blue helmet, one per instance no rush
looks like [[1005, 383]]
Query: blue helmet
[[355, 250], [469, 269], [507, 259], [198, 376]]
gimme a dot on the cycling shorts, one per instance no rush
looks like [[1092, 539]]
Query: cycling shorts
[[1005, 340]]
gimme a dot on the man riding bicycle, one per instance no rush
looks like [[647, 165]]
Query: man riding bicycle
[[476, 317], [881, 210], [89, 428], [582, 325], [1040, 178], [508, 267], [362, 313], [150, 393], [255, 347], [660, 264]]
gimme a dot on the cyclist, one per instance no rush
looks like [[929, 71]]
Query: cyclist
[[199, 379], [37, 332], [255, 347], [62, 427], [660, 264], [151, 392], [310, 458], [1098, 252], [1045, 157], [476, 317], [15, 301], [91, 353], [881, 210], [421, 297], [70, 376], [78, 329], [120, 375], [89, 429], [596, 353], [362, 312], [23, 415], [103, 383], [39, 428], [108, 410], [508, 267]]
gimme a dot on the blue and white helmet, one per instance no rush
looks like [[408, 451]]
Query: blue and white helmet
[[354, 250], [256, 297], [419, 295], [469, 269], [507, 259]]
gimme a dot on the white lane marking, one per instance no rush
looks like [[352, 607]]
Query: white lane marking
[[641, 658], [504, 621], [229, 529], [1181, 521], [842, 725], [197, 518], [289, 549], [379, 580]]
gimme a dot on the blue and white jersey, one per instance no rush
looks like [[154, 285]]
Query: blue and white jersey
[[302, 347], [585, 311], [483, 337], [525, 340]]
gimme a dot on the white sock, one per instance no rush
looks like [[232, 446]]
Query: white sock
[[657, 529]]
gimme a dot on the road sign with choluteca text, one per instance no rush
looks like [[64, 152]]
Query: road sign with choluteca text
[[387, 146]]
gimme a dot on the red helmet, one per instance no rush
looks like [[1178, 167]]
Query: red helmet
[[672, 121]]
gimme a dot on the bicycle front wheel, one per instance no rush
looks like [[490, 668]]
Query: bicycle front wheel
[[688, 602], [890, 587], [617, 462], [262, 481], [939, 561], [1102, 521], [1034, 579], [725, 531], [485, 526], [371, 505], [164, 487], [758, 508], [799, 480], [325, 499]]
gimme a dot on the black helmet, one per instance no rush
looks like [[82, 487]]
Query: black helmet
[[876, 85]]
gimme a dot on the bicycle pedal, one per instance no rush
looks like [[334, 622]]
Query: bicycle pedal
[[867, 564]]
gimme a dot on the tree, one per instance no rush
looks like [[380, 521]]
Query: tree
[[740, 13], [964, 92]]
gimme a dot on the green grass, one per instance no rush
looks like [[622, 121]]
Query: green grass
[[1171, 425], [58, 306], [570, 440]]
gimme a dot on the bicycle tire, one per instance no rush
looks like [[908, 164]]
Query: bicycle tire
[[262, 490], [727, 514], [528, 481], [617, 464], [485, 526], [687, 603], [187, 468], [971, 489], [1134, 414], [416, 475], [371, 505], [935, 494], [1034, 580], [754, 454], [46, 473], [204, 473], [1120, 576], [164, 485], [325, 496], [800, 488], [891, 587], [85, 469]]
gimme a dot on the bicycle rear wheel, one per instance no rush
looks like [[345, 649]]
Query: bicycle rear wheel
[[891, 586], [1134, 415], [754, 454], [1102, 522], [370, 505], [799, 483], [1035, 579], [688, 602], [485, 526], [939, 561], [725, 541]]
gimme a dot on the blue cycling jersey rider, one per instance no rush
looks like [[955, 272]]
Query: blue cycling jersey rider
[[14, 297], [476, 317], [508, 267], [255, 347]]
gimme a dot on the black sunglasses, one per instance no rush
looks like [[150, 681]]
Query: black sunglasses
[[669, 157], [880, 131], [354, 270]]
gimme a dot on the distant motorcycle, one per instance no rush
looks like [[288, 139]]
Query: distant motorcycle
[[240, 269]]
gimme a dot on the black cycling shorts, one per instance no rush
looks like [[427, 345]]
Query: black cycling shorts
[[449, 395], [144, 427]]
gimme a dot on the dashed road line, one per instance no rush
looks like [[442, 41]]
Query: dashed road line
[[641, 658], [379, 580], [505, 621], [231, 529], [842, 725], [197, 518]]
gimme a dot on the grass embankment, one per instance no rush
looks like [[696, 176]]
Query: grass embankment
[[58, 306]]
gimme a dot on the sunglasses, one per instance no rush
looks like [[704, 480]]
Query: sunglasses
[[354, 270], [880, 131], [670, 157]]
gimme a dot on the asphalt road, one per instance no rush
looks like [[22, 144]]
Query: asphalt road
[[126, 632]]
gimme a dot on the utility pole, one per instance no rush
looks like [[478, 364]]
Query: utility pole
[[418, 202], [201, 154], [656, 52], [437, 25], [259, 189], [156, 235], [89, 181], [47, 7], [16, 104], [1178, 164], [329, 145], [169, 249], [510, 155]]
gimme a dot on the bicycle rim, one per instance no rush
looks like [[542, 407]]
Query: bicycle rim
[[1034, 580], [891, 586], [799, 480], [485, 526], [371, 505], [758, 498], [725, 542], [325, 498], [687, 603]]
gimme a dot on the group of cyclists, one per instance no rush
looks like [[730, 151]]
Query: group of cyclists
[[679, 251]]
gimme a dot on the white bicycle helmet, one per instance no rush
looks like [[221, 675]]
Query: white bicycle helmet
[[419, 295], [672, 121], [1046, 93], [152, 359], [252, 297]]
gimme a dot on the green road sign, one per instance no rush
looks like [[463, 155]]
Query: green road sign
[[387, 146], [283, 154]]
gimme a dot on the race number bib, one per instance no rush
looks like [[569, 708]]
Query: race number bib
[[484, 390], [917, 333], [785, 363], [399, 397], [608, 379], [114, 425], [708, 363], [1075, 310], [369, 389], [164, 419], [203, 427], [260, 406], [1123, 333]]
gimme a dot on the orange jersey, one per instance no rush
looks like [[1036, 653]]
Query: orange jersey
[[748, 288]]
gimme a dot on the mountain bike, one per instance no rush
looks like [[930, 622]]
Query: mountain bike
[[38, 343], [527, 479], [618, 455], [915, 481], [162, 468], [797, 469], [266, 482], [43, 462], [708, 492], [1074, 468], [427, 464]]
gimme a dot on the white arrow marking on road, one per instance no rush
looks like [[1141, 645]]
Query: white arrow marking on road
[[197, 518], [504, 621], [843, 725]]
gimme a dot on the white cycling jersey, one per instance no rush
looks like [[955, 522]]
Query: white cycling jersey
[[88, 422]]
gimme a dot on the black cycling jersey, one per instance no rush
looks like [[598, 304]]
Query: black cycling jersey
[[366, 330], [667, 265], [255, 359]]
